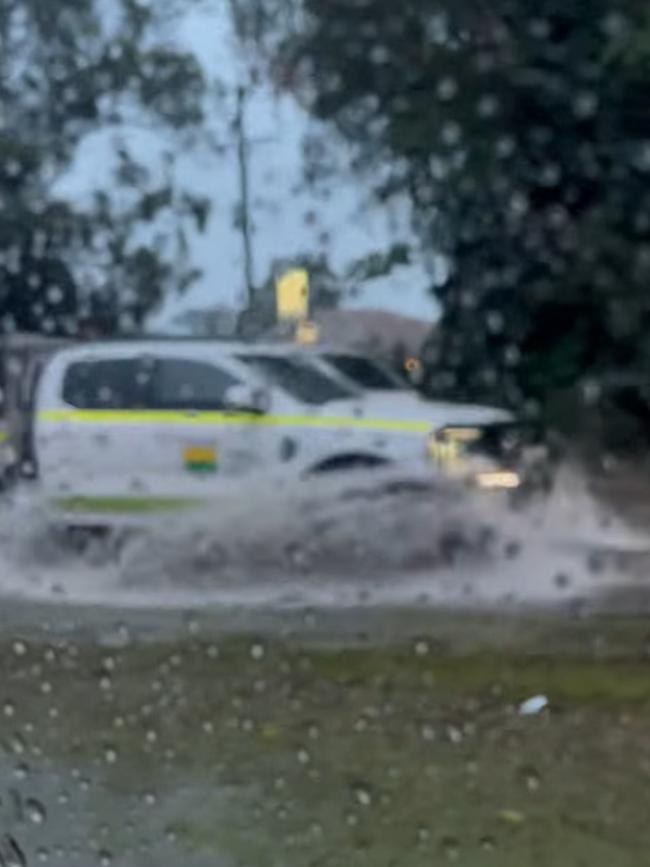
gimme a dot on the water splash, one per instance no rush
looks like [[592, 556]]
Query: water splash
[[363, 538]]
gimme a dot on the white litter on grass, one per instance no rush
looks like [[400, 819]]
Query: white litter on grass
[[533, 705]]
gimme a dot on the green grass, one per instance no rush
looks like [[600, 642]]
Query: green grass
[[382, 757]]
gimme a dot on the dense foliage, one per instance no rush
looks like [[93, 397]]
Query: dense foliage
[[520, 133], [70, 70]]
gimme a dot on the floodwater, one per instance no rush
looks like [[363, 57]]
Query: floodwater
[[373, 672], [379, 538]]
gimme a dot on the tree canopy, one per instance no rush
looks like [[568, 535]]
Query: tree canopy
[[520, 133], [70, 69]]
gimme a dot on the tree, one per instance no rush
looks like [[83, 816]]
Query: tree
[[520, 133], [69, 70]]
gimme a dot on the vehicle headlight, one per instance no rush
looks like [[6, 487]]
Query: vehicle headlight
[[461, 434], [448, 443], [439, 449], [502, 479]]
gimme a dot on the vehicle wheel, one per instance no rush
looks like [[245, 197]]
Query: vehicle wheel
[[345, 463], [8, 478]]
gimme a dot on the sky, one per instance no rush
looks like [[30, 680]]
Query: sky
[[276, 126]]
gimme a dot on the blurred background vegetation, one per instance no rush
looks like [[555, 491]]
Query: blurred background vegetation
[[519, 132]]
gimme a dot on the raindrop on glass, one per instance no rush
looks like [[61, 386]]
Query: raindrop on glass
[[35, 811]]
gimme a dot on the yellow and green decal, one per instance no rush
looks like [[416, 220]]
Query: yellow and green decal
[[200, 459]]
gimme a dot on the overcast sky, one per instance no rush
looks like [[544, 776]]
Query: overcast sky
[[353, 224]]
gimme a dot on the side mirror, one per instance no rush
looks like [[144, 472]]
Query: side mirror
[[243, 398]]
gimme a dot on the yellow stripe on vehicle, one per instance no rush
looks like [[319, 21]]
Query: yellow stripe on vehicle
[[168, 417]]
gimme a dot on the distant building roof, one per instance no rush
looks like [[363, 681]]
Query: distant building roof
[[378, 330]]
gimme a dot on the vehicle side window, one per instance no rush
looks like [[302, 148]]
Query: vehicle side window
[[183, 384], [119, 383]]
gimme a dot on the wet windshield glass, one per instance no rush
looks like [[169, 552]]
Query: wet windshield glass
[[261, 606], [365, 372], [299, 379]]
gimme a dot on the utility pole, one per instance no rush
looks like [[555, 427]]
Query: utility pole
[[244, 184]]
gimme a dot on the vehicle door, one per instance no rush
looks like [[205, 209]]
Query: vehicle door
[[98, 445], [199, 439]]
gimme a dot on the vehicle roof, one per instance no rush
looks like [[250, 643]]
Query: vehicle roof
[[140, 346], [189, 347]]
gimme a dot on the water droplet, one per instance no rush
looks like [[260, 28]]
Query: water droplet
[[105, 858], [447, 89], [421, 648], [9, 709], [19, 648], [531, 778], [21, 771], [451, 133], [450, 848], [35, 811], [17, 745], [110, 755], [11, 855], [303, 757], [257, 651], [363, 796]]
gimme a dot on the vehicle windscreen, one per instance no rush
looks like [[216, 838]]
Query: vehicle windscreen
[[365, 372], [300, 380]]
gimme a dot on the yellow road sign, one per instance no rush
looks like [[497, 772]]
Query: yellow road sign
[[292, 295]]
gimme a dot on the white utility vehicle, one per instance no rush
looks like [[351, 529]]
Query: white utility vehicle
[[152, 425]]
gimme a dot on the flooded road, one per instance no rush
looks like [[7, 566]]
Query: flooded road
[[211, 694], [363, 539]]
